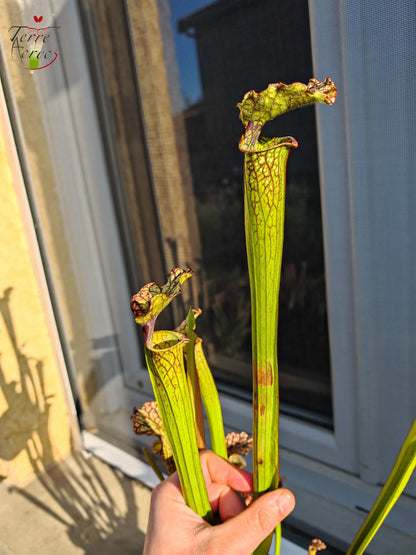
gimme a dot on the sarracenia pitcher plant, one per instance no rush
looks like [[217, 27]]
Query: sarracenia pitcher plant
[[180, 375], [264, 204]]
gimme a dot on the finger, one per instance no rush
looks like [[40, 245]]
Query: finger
[[225, 501], [218, 470], [260, 518], [169, 489]]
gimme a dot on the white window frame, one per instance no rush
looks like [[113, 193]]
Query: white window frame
[[336, 475], [373, 211]]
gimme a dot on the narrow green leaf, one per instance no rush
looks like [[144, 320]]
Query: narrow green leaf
[[394, 486], [193, 378], [211, 402], [206, 383]]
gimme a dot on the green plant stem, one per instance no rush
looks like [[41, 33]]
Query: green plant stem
[[278, 538], [391, 491], [151, 462]]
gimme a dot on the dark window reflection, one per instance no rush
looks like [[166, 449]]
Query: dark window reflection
[[243, 45]]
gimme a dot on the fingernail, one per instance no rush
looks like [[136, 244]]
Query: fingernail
[[286, 502]]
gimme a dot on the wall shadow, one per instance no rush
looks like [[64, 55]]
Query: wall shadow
[[96, 504]]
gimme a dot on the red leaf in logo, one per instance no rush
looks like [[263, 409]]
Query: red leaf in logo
[[38, 19]]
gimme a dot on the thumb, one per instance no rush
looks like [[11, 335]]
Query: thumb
[[248, 529]]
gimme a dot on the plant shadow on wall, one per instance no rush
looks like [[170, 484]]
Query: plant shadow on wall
[[96, 506]]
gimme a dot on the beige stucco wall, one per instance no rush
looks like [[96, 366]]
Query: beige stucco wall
[[34, 414], [30, 98], [44, 186]]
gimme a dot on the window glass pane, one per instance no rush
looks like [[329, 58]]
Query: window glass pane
[[223, 49], [178, 173]]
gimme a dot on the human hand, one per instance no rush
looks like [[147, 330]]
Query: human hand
[[175, 529]]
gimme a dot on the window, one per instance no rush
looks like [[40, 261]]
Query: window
[[231, 39], [192, 137], [121, 192]]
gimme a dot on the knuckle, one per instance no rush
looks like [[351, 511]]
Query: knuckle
[[220, 547], [157, 494], [214, 544], [265, 520], [156, 490]]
